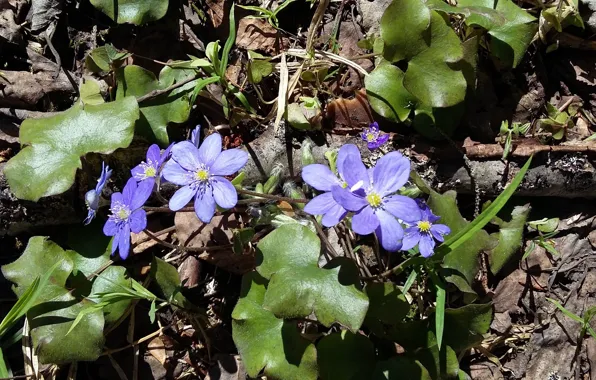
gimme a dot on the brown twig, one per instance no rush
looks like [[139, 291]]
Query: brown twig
[[188, 249], [274, 197], [155, 93], [323, 237]]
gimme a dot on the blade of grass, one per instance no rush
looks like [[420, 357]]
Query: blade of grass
[[565, 311], [3, 370], [440, 308], [201, 84], [225, 54]]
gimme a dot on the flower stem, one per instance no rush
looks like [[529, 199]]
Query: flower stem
[[274, 197], [398, 269]]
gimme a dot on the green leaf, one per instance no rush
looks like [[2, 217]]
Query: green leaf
[[510, 36], [565, 311], [167, 281], [258, 69], [388, 305], [410, 38], [387, 94], [136, 12], [441, 364], [90, 92], [439, 308], [345, 356], [40, 255], [331, 293], [298, 287], [399, 368], [465, 326], [91, 249], [432, 75], [267, 343], [225, 54], [47, 165], [112, 280], [3, 370], [51, 321], [510, 238], [156, 113]]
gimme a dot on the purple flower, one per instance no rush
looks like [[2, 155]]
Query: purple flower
[[321, 178], [424, 232], [200, 173], [195, 135], [92, 196], [372, 200], [373, 136], [127, 214], [148, 170]]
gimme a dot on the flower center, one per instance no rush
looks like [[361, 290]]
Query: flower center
[[202, 175], [344, 184], [150, 171], [370, 137], [374, 199], [120, 212], [424, 226]]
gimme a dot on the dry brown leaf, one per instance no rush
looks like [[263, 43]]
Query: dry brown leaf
[[190, 271], [216, 11], [157, 349], [354, 112], [192, 232], [258, 34]]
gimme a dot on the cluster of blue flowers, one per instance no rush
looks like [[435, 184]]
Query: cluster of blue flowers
[[200, 170], [371, 195]]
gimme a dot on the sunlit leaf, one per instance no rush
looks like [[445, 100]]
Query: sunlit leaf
[[113, 279], [136, 12], [386, 93], [510, 237]]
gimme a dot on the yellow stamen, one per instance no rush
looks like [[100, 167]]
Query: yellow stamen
[[123, 214], [374, 199], [150, 171], [344, 184], [370, 137], [202, 175], [424, 226]]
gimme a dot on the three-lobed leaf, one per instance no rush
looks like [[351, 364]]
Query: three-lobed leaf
[[54, 145]]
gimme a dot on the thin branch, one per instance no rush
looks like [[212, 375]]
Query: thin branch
[[155, 93], [167, 209], [324, 238], [188, 249], [396, 270], [274, 197]]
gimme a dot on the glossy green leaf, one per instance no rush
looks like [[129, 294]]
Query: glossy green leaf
[[54, 145], [91, 249], [386, 93], [136, 12], [40, 255], [289, 257], [432, 75], [400, 368], [404, 29], [510, 237], [167, 281], [105, 58], [345, 356], [267, 343], [90, 92], [388, 305], [112, 280], [158, 112], [258, 68]]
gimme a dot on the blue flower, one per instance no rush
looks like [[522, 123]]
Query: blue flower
[[195, 135], [200, 172], [373, 136], [92, 196], [321, 178], [127, 215], [424, 232], [372, 200], [149, 169]]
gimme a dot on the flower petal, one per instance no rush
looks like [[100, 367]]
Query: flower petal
[[110, 228], [347, 199], [403, 208], [334, 216], [224, 192], [229, 162], [320, 177], [142, 193], [124, 241], [426, 245], [89, 218], [181, 197], [116, 198], [391, 173], [195, 135], [106, 173], [411, 238], [153, 154], [440, 230], [205, 205], [129, 191], [114, 243], [321, 204], [138, 221], [186, 155], [389, 232], [345, 151], [209, 149], [365, 222], [354, 171], [138, 172], [176, 174]]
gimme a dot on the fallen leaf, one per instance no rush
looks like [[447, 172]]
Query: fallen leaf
[[258, 34], [157, 349], [354, 112], [190, 271], [216, 11]]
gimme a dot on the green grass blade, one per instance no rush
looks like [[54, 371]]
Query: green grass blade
[[3, 370], [440, 308], [482, 220], [229, 43], [565, 311], [201, 84]]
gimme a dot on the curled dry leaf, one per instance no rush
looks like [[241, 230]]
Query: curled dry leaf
[[354, 112], [216, 11], [258, 34], [157, 349], [191, 232]]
